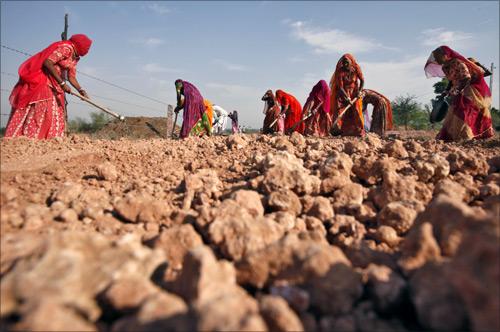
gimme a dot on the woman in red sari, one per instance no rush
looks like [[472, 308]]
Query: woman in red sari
[[346, 85], [468, 115], [292, 109], [38, 98], [317, 108]]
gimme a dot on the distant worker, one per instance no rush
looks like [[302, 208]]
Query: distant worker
[[274, 120], [292, 110], [235, 129], [346, 104], [220, 119], [38, 98], [316, 112], [189, 99], [381, 117]]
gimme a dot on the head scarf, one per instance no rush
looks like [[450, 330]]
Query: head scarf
[[81, 43], [320, 92], [335, 84], [434, 69]]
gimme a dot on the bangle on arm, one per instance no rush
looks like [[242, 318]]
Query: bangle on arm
[[62, 83]]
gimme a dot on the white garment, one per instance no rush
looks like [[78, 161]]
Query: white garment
[[221, 121]]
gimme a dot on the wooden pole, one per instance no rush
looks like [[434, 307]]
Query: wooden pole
[[64, 36], [491, 78]]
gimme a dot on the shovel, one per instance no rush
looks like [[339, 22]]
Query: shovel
[[343, 112], [175, 122], [309, 114], [102, 108]]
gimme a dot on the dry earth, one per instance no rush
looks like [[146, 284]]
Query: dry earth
[[250, 233]]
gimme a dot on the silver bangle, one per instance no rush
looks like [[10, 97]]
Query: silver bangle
[[62, 83]]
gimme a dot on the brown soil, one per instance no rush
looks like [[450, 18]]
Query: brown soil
[[249, 232]]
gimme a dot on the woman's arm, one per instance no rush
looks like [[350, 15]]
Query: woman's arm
[[179, 101], [74, 82], [52, 71]]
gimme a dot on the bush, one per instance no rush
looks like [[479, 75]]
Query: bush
[[407, 112], [97, 121]]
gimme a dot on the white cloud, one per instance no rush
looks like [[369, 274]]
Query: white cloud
[[440, 36], [233, 90], [296, 59], [393, 78], [149, 42], [154, 68], [230, 66], [158, 9], [333, 40]]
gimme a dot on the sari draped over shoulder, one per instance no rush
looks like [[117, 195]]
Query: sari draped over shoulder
[[194, 108], [294, 112], [469, 114], [37, 99], [318, 102], [272, 123], [352, 122], [381, 119]]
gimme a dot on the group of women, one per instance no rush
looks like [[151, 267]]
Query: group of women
[[340, 107], [198, 113]]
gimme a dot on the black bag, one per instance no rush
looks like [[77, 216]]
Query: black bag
[[439, 109]]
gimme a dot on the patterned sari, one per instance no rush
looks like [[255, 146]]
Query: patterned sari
[[352, 122], [204, 125], [318, 102], [382, 111], [468, 115], [193, 105], [272, 111], [37, 99], [294, 110]]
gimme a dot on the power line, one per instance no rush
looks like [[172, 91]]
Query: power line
[[96, 78], [106, 98], [9, 74]]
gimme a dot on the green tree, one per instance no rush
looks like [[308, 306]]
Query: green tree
[[97, 121], [495, 118], [409, 113]]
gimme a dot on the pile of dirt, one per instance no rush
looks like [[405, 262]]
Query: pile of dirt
[[137, 128], [250, 232]]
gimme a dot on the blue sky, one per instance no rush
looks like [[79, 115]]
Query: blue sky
[[234, 51]]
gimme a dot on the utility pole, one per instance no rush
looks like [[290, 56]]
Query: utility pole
[[64, 36], [491, 78]]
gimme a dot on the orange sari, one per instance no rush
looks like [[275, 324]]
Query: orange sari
[[352, 122]]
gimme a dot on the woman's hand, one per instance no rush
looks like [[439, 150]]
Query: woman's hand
[[83, 93], [66, 88]]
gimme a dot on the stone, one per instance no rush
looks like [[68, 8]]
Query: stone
[[286, 201], [437, 303], [249, 200], [321, 209], [107, 171], [291, 258], [399, 215], [278, 315]]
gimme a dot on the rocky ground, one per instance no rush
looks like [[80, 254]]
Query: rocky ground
[[250, 233]]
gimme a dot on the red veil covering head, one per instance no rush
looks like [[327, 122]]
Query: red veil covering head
[[336, 83], [433, 69], [81, 43]]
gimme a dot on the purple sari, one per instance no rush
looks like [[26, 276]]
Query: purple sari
[[193, 108]]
